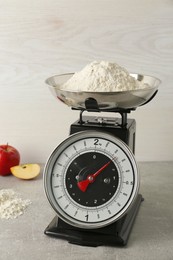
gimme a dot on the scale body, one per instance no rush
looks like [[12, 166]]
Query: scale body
[[116, 233], [91, 179]]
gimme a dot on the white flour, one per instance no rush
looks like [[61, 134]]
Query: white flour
[[11, 206], [102, 77]]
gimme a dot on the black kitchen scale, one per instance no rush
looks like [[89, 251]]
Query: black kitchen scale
[[91, 179]]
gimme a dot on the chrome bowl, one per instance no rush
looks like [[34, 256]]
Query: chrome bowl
[[105, 100]]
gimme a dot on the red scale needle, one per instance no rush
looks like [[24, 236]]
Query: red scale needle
[[83, 185]]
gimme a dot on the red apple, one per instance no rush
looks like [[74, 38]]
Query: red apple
[[9, 157]]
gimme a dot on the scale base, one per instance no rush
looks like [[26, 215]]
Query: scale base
[[116, 234]]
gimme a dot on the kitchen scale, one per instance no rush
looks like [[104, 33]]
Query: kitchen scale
[[91, 179]]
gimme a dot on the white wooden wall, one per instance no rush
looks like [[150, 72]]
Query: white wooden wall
[[40, 38]]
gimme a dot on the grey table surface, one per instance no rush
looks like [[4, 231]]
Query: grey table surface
[[151, 236]]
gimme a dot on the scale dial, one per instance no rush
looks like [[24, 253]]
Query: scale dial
[[91, 179]]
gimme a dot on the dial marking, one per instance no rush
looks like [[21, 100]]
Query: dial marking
[[60, 197], [66, 155], [94, 157], [59, 164], [75, 213], [66, 206], [96, 141], [107, 144], [109, 212], [74, 147]]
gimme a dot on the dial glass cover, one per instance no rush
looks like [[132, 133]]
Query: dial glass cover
[[91, 179]]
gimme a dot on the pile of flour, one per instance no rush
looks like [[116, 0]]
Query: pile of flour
[[102, 77], [11, 205]]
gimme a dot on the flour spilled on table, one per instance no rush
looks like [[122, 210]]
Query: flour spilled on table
[[103, 77], [11, 205]]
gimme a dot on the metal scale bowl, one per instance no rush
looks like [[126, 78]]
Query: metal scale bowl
[[106, 100], [102, 132]]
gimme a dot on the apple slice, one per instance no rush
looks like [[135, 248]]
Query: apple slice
[[26, 171]]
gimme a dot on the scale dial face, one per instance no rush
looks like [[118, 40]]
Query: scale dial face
[[91, 179]]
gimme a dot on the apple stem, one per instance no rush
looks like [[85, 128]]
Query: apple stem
[[6, 146]]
